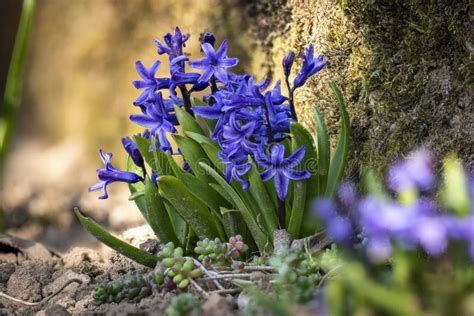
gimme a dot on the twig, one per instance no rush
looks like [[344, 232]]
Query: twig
[[208, 273], [326, 276], [199, 288], [16, 300], [228, 276], [260, 268], [226, 291]]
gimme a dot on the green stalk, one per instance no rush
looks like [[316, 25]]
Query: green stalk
[[13, 88]]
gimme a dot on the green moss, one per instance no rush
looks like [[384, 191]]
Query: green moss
[[403, 66]]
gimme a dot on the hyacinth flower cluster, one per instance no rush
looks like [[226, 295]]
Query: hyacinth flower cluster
[[412, 215], [222, 154]]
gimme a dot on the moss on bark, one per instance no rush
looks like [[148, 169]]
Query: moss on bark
[[404, 65]]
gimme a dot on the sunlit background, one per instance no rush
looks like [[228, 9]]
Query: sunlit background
[[78, 97]]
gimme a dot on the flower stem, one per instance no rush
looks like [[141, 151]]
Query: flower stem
[[269, 125], [186, 99], [291, 101], [281, 214], [213, 85]]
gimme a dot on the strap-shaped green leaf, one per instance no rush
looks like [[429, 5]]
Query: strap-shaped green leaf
[[211, 152], [339, 160], [302, 137], [113, 242], [158, 217], [156, 159], [198, 187], [137, 187], [193, 154], [180, 227], [303, 191], [258, 235], [218, 188], [297, 209], [324, 151], [191, 209], [201, 139], [265, 205], [187, 122]]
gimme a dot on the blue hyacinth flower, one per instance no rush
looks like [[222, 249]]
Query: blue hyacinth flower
[[131, 147], [310, 66], [215, 63], [159, 120], [149, 84], [109, 174], [281, 168]]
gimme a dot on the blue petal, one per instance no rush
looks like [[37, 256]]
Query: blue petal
[[281, 186], [295, 158]]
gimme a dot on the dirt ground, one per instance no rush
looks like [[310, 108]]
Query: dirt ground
[[31, 272]]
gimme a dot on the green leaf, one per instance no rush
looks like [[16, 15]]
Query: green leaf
[[297, 209], [199, 188], [113, 242], [339, 161], [187, 122], [136, 188], [180, 227], [302, 137], [211, 152], [193, 154], [222, 192], [156, 159], [198, 102], [157, 214], [259, 192], [201, 139], [259, 236], [191, 209], [14, 80], [324, 151], [455, 193], [303, 191]]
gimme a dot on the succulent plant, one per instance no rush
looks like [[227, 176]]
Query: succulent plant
[[219, 253], [132, 287]]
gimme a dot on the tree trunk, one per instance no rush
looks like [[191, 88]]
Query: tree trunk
[[404, 67]]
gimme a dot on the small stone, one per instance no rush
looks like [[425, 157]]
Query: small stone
[[56, 310], [6, 270], [150, 245]]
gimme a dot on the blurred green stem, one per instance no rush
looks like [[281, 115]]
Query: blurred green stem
[[13, 89]]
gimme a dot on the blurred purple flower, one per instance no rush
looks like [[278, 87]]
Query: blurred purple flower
[[415, 172]]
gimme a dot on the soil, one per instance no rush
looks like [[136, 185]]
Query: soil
[[30, 279]]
